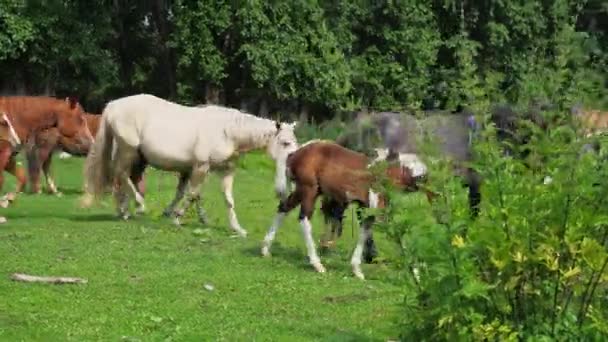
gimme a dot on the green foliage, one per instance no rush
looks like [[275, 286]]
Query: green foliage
[[333, 56], [532, 266]]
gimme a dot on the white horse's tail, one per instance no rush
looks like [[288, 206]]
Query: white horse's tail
[[97, 172]]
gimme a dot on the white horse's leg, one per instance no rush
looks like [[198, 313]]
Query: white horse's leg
[[227, 182], [364, 233], [199, 172], [125, 155], [141, 204], [180, 191]]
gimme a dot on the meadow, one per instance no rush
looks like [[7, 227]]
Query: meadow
[[150, 280]]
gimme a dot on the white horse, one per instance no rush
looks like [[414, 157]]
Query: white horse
[[172, 137]]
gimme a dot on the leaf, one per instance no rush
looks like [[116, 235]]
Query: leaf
[[593, 253], [572, 272], [457, 241]]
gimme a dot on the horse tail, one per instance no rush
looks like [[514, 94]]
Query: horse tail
[[97, 172]]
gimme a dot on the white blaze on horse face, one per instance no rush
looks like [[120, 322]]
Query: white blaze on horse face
[[412, 162], [13, 137]]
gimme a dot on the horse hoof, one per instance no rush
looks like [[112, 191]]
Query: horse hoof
[[3, 220], [141, 211], [359, 275], [4, 203], [11, 196], [266, 252], [319, 267], [58, 194], [176, 222]]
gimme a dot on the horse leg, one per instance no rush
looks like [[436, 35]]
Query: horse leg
[[125, 155], [184, 178], [199, 172], [369, 247], [307, 205], [364, 237], [333, 214], [5, 156], [137, 175], [33, 168], [19, 173], [285, 206], [227, 182], [46, 156]]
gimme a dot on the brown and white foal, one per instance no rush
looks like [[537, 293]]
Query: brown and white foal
[[328, 169]]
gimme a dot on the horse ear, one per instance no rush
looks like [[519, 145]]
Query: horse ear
[[72, 101], [278, 125], [293, 124]]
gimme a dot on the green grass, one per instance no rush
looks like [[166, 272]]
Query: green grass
[[146, 277]]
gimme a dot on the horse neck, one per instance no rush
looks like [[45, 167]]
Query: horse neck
[[26, 125], [251, 133]]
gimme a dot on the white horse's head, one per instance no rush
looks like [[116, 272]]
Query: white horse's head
[[283, 142]]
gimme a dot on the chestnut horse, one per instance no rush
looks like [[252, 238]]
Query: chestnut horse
[[340, 175], [32, 114], [9, 136], [46, 142]]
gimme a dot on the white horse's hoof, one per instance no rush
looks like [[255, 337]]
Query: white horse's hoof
[[4, 203], [266, 252], [241, 233], [58, 194], [176, 222], [358, 273], [3, 220], [140, 210], [319, 267], [11, 196]]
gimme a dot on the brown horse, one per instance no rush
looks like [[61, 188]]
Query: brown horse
[[8, 136], [32, 114], [45, 143], [341, 176]]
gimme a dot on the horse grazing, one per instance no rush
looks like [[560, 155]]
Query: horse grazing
[[172, 137], [32, 114], [9, 136], [45, 143], [341, 176]]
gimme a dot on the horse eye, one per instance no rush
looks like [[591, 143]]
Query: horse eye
[[3, 123], [285, 143]]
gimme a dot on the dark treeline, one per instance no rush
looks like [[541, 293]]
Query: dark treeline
[[308, 57]]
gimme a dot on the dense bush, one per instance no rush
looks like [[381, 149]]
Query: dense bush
[[532, 266]]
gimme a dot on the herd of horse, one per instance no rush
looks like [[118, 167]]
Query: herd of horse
[[121, 142]]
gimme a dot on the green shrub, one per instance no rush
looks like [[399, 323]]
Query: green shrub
[[532, 266]]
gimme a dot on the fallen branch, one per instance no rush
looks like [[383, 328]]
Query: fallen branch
[[52, 280]]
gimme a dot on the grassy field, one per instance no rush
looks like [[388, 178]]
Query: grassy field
[[147, 277]]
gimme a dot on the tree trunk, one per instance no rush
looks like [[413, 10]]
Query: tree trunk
[[212, 94], [263, 109], [303, 113], [160, 17]]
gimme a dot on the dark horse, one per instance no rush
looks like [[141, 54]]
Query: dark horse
[[454, 136]]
